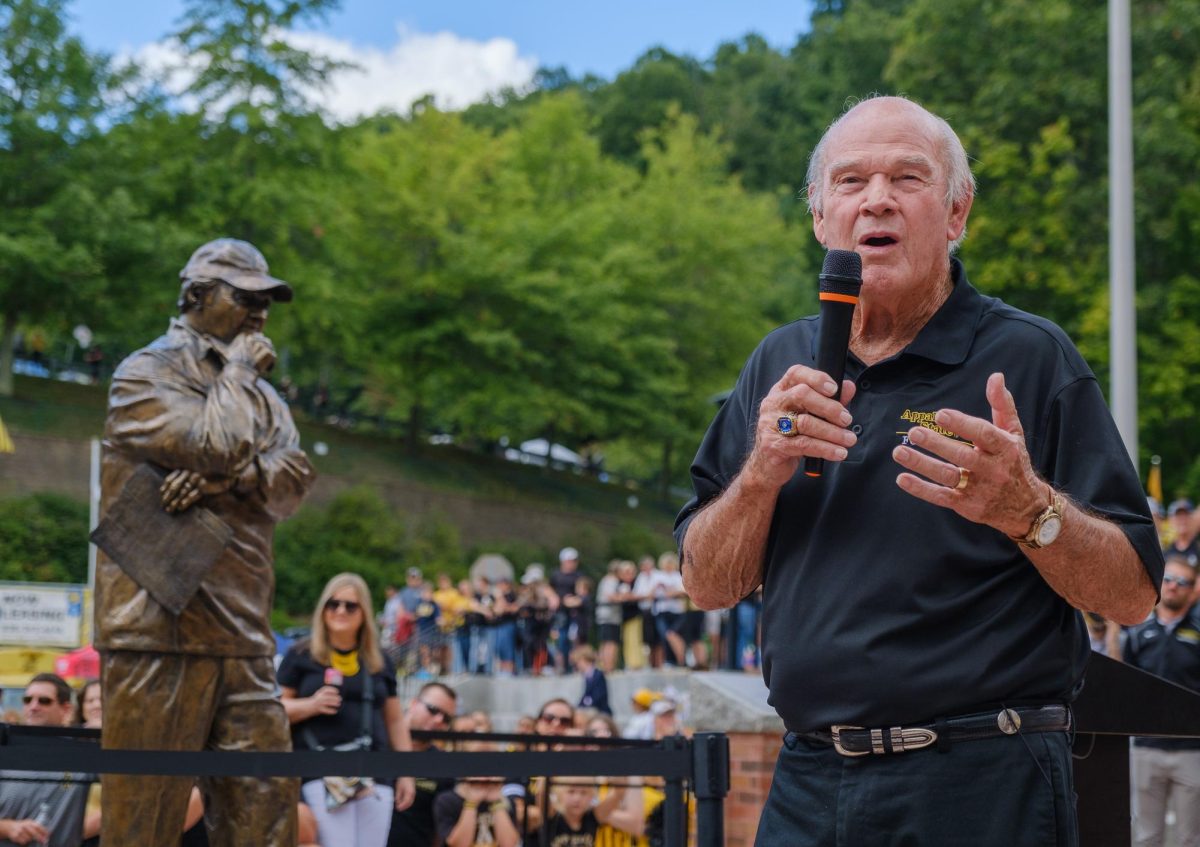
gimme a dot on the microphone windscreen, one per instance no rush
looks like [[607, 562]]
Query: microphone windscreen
[[842, 263]]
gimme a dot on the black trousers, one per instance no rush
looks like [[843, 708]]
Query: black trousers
[[1009, 791]]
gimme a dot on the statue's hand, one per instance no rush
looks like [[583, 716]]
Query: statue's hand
[[253, 349], [182, 488]]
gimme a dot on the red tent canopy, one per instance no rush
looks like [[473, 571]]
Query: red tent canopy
[[79, 664]]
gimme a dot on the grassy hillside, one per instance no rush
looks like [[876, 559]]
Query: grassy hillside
[[66, 410]]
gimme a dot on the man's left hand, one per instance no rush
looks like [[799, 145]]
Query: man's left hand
[[1001, 490], [182, 488]]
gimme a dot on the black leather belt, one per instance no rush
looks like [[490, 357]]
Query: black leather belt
[[860, 741]]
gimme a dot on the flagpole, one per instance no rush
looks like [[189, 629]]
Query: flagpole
[[1122, 309]]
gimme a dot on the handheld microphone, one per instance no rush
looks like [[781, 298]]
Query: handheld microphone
[[841, 279]]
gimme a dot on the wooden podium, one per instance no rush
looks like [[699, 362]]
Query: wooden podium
[[1119, 701]]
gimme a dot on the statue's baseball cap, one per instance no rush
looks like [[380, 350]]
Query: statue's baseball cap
[[238, 263]]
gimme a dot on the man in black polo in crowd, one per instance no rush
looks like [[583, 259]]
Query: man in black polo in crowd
[[432, 710], [926, 586], [1181, 515], [1168, 769]]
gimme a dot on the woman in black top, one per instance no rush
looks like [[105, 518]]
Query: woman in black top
[[339, 691]]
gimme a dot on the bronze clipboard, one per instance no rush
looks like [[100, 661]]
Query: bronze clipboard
[[167, 555]]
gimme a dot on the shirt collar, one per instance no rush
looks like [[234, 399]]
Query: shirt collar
[[948, 335], [202, 343]]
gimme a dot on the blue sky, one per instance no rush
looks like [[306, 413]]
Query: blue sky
[[459, 51], [598, 37]]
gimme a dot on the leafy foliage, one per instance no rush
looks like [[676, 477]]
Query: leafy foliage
[[590, 261], [43, 538]]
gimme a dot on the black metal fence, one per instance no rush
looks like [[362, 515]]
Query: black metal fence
[[699, 765]]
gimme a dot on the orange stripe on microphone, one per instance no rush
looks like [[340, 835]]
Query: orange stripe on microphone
[[840, 298], [811, 473]]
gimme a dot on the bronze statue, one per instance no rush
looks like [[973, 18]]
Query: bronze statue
[[201, 459]]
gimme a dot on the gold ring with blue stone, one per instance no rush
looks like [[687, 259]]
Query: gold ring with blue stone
[[787, 425]]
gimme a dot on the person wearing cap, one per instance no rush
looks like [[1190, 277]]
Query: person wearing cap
[[641, 724], [410, 594], [537, 604], [564, 581], [1181, 517], [922, 638], [1166, 771], [196, 404]]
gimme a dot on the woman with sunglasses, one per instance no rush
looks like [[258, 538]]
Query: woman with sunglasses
[[339, 690]]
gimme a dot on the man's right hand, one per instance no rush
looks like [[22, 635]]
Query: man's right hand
[[23, 831], [822, 427], [253, 349], [327, 700]]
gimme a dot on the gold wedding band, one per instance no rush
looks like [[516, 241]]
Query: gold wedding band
[[964, 476]]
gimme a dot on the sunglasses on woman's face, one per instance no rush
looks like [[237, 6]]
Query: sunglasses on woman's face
[[350, 606], [561, 720], [435, 712]]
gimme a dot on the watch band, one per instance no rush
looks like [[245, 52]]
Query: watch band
[[1031, 539]]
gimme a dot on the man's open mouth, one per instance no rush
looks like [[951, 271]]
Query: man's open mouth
[[879, 241]]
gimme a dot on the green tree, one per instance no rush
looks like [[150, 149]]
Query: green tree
[[639, 98], [243, 60], [356, 532], [701, 260], [43, 538], [51, 95]]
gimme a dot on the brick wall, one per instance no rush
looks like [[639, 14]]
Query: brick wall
[[59, 465], [751, 765]]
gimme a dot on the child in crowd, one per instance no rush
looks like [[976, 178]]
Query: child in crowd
[[595, 686], [575, 819]]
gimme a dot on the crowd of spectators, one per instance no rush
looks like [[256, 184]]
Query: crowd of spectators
[[60, 809], [636, 616], [339, 690]]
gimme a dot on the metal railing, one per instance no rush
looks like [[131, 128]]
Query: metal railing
[[699, 764]]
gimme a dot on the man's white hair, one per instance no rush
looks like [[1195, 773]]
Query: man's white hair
[[960, 182]]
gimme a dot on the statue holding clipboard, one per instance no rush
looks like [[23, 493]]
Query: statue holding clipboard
[[201, 460]]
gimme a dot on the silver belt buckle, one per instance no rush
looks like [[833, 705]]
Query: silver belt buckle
[[836, 733], [902, 740]]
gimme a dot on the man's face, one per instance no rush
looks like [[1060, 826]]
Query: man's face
[[431, 710], [225, 312], [41, 706], [1178, 581], [884, 197], [569, 565], [1181, 522]]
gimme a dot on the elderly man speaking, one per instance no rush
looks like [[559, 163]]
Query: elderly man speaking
[[921, 634]]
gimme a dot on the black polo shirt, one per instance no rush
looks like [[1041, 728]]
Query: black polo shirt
[[1172, 653], [880, 609]]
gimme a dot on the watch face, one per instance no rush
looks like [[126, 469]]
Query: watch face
[[1049, 530]]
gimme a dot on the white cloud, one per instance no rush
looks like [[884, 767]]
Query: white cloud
[[456, 71]]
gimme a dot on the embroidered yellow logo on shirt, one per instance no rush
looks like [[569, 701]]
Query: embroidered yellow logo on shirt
[[1188, 635], [926, 419]]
